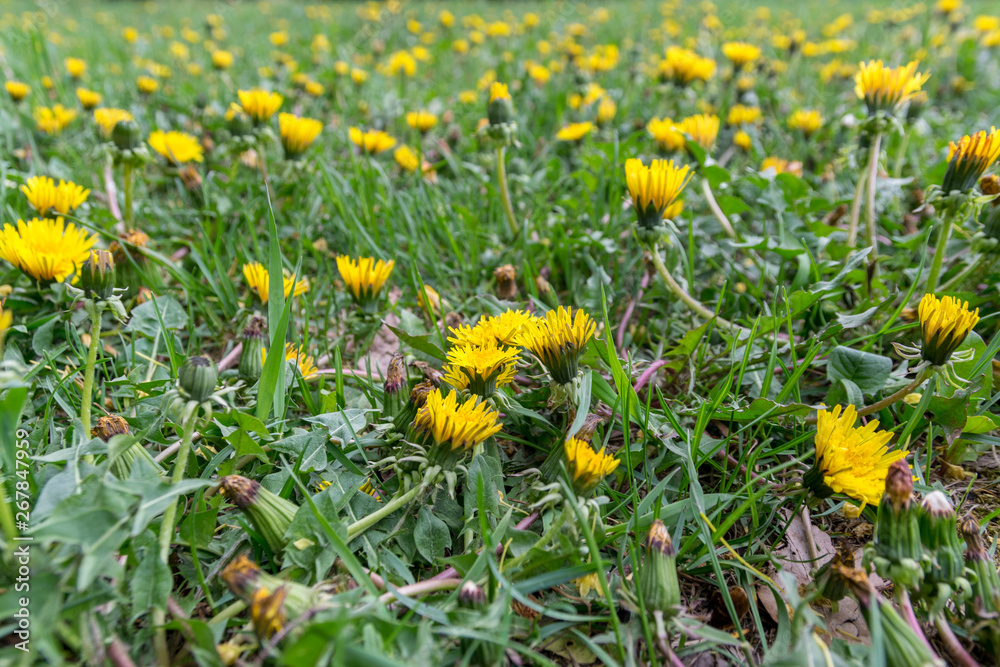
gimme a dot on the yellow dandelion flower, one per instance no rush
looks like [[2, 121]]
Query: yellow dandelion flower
[[654, 188], [17, 90], [886, 88], [75, 67], [267, 611], [422, 121], [406, 158], [781, 165], [741, 114], [106, 118], [259, 282], [481, 369], [969, 158], [177, 147], [944, 326], [703, 128], [53, 120], [587, 583], [683, 66], [499, 91], [740, 53], [147, 85], [742, 140], [260, 104], [502, 329], [222, 59], [558, 341], [666, 135], [364, 277], [303, 362], [456, 427], [278, 38], [606, 111], [371, 141], [45, 249], [805, 120], [314, 88], [88, 98], [358, 76], [574, 131], [43, 194], [297, 134], [585, 466], [401, 63], [851, 461]]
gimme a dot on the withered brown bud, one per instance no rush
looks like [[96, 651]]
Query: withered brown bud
[[990, 185], [856, 581], [433, 375], [240, 490], [974, 549], [590, 424], [240, 575], [453, 319], [899, 484], [471, 596], [419, 394], [659, 541], [190, 177], [506, 282], [109, 426], [395, 376], [542, 285], [132, 238], [523, 610]]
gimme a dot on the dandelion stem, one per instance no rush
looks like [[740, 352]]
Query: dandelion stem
[[508, 208], [688, 300], [889, 400], [361, 525], [88, 373], [852, 228], [954, 646], [127, 178], [167, 527], [871, 224], [546, 537], [947, 218], [706, 188]]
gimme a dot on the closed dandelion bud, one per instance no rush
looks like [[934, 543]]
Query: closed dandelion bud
[[418, 396], [109, 426], [97, 275], [590, 424], [270, 513], [267, 611], [506, 283], [127, 135], [990, 186], [939, 532], [897, 531], [251, 360], [272, 601], [471, 596], [500, 109], [658, 573], [395, 387], [240, 124], [985, 600], [196, 379]]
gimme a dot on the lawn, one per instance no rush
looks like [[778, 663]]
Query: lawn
[[485, 333]]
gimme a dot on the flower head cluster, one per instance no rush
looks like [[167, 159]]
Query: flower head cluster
[[574, 132], [364, 278], [654, 189], [107, 117], [371, 142], [944, 326], [450, 426], [703, 128], [303, 362], [740, 53], [422, 121], [850, 461], [297, 134], [43, 194], [260, 104], [806, 121], [969, 158], [480, 369], [502, 329], [887, 88], [177, 147], [258, 280], [54, 120], [741, 114], [682, 66], [666, 135], [45, 249], [558, 341], [587, 467]]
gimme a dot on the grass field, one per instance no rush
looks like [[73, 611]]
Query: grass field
[[493, 333]]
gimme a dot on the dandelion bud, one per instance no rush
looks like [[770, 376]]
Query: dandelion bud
[[944, 325], [272, 601], [990, 186], [657, 575], [127, 135], [395, 387], [97, 276], [506, 283], [590, 424], [968, 160], [418, 396], [267, 611], [939, 532], [985, 600], [270, 513], [471, 596], [109, 426], [196, 379], [830, 584], [898, 548], [190, 177], [500, 109], [251, 361]]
